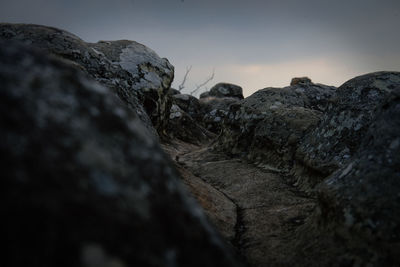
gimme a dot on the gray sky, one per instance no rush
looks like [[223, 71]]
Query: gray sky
[[252, 43]]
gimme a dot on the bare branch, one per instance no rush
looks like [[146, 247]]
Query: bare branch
[[198, 87], [182, 85]]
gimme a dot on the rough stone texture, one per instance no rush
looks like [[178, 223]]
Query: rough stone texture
[[276, 137], [344, 123], [267, 126], [219, 209], [134, 72], [183, 127], [226, 90], [357, 222], [268, 210], [214, 110], [300, 81], [312, 96], [272, 98], [152, 75], [85, 184], [189, 104], [185, 121]]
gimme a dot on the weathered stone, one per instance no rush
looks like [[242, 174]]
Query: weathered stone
[[130, 69], [272, 98], [268, 210], [318, 95], [276, 137], [151, 75], [226, 90], [312, 96], [183, 127], [333, 143], [357, 221], [214, 110], [267, 126], [85, 184], [300, 81], [189, 104]]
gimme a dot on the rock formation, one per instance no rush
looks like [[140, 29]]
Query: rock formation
[[339, 145], [226, 90], [134, 72], [305, 175], [359, 202], [345, 122], [268, 125], [85, 182], [358, 139]]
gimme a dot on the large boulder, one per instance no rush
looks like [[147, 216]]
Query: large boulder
[[189, 104], [133, 71], [85, 184], [213, 111], [276, 137], [151, 75], [305, 81], [299, 94], [357, 222], [226, 90], [268, 126], [345, 122]]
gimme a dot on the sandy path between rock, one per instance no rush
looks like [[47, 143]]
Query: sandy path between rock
[[253, 209]]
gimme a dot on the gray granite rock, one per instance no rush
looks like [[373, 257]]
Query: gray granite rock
[[268, 126], [357, 221], [214, 110], [189, 104], [152, 76], [345, 122], [300, 81], [226, 90], [128, 68]]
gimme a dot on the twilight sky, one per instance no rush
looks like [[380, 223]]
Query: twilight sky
[[252, 43]]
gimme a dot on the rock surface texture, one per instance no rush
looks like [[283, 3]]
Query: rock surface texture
[[85, 183], [324, 190], [226, 90], [345, 122], [305, 175], [269, 125], [214, 110], [265, 211], [356, 220], [133, 71]]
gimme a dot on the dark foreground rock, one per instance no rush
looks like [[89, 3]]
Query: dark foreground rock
[[133, 71], [85, 184]]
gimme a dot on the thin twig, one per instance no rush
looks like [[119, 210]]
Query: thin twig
[[182, 85], [204, 83]]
